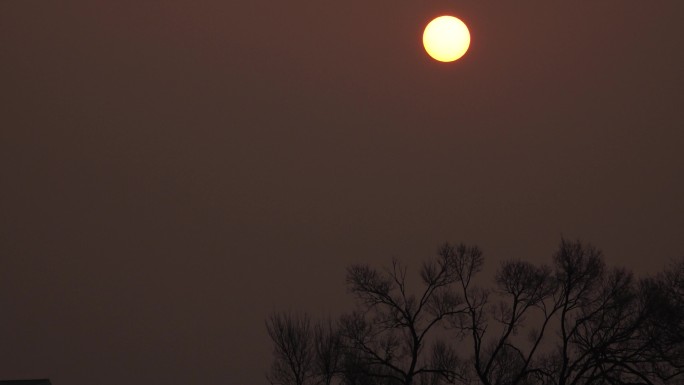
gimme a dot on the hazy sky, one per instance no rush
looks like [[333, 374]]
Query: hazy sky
[[172, 171]]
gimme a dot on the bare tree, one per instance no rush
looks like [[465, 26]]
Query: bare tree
[[662, 335], [305, 352], [389, 333], [585, 323], [293, 351], [495, 317], [575, 322], [670, 319], [604, 321], [328, 352]]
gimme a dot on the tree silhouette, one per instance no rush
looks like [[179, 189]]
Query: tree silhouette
[[390, 330], [594, 322], [575, 322], [305, 352], [328, 353], [663, 295], [293, 349]]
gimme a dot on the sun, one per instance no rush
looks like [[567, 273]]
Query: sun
[[446, 38]]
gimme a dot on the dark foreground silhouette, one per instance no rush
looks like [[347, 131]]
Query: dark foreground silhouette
[[575, 322]]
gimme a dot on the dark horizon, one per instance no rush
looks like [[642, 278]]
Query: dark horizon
[[173, 172]]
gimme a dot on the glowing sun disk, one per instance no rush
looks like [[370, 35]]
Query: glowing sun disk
[[446, 38]]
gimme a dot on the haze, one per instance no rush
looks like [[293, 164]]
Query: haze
[[173, 171]]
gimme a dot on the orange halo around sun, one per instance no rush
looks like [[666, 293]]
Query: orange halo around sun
[[446, 38]]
